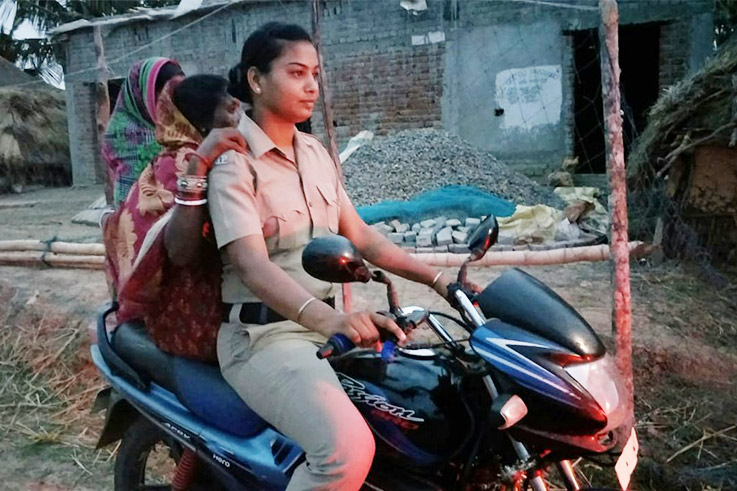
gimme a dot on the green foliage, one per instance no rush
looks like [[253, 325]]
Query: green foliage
[[47, 14]]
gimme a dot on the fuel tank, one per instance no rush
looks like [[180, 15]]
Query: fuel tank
[[412, 403]]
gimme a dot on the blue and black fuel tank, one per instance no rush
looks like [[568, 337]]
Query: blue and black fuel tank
[[412, 403]]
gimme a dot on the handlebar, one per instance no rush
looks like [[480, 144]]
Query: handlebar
[[336, 345], [458, 296], [339, 344]]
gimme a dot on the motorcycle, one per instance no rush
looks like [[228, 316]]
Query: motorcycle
[[527, 391]]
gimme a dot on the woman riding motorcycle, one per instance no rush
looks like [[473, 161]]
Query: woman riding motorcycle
[[266, 205]]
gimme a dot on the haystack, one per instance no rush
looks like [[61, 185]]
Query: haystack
[[34, 142], [698, 110], [12, 75], [685, 164]]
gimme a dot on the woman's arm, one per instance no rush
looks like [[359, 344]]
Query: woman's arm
[[378, 250], [279, 291], [183, 234]]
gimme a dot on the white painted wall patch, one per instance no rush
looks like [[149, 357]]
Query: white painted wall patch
[[429, 38], [530, 96]]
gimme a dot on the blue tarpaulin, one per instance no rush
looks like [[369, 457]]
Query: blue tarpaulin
[[449, 201]]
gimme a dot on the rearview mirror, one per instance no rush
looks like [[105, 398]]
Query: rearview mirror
[[334, 259], [483, 237]]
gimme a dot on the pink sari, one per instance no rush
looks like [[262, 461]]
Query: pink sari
[[181, 306]]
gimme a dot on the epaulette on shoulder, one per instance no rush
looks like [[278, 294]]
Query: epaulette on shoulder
[[229, 156], [311, 138]]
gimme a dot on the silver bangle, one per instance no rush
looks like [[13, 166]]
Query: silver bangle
[[435, 280], [192, 184], [304, 306], [190, 202]]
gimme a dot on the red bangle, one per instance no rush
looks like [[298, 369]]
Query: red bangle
[[207, 163]]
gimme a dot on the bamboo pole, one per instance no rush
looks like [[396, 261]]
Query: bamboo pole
[[528, 258], [18, 253], [102, 100], [622, 305], [325, 98], [37, 258], [93, 249], [327, 113]]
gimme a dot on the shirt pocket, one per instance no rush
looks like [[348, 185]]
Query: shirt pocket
[[293, 223], [331, 206]]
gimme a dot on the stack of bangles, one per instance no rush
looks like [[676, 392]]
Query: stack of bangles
[[191, 190]]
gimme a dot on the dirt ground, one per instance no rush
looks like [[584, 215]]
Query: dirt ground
[[684, 336], [46, 213]]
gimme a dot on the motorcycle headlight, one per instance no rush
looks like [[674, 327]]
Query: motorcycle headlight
[[602, 380]]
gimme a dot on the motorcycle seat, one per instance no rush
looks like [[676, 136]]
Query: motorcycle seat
[[199, 386]]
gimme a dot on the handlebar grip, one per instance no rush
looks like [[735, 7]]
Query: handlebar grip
[[336, 345], [388, 350]]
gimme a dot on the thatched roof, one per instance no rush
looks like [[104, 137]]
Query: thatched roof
[[33, 133], [12, 75], [697, 110]]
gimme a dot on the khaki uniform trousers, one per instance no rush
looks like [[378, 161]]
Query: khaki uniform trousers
[[274, 369]]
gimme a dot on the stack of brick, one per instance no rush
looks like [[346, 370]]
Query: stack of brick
[[433, 235], [442, 234]]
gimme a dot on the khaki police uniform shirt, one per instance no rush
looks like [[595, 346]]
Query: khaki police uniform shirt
[[303, 196]]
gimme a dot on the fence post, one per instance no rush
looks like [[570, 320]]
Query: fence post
[[102, 101], [327, 112], [622, 307]]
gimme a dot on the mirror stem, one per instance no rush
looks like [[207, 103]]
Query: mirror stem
[[391, 293], [462, 272]]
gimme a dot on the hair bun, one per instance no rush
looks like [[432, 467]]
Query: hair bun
[[238, 86]]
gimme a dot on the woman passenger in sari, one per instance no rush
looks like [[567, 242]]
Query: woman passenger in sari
[[162, 262], [129, 143]]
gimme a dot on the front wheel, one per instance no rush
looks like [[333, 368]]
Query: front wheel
[[147, 460], [490, 479]]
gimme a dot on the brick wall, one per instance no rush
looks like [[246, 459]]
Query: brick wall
[[385, 66], [378, 79], [674, 38]]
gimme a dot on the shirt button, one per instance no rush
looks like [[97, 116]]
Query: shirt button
[[309, 204]]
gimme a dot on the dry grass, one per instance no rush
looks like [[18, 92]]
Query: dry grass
[[686, 399], [47, 386], [686, 412]]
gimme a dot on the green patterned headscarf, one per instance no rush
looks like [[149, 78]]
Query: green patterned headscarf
[[129, 143]]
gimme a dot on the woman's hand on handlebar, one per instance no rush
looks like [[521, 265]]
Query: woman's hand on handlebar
[[441, 286], [363, 328]]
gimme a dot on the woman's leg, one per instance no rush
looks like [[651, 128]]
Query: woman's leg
[[301, 396]]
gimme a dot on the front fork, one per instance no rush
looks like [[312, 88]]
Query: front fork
[[536, 483]]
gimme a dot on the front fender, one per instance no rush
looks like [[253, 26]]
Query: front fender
[[119, 416]]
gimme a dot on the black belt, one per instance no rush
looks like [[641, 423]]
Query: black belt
[[259, 313]]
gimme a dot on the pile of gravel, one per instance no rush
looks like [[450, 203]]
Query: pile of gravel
[[403, 165]]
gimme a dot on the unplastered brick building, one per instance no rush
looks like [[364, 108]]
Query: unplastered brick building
[[520, 78]]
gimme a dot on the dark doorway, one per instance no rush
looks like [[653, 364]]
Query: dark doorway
[[639, 53], [113, 89]]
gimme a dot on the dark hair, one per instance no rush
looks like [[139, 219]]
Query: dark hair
[[168, 71], [262, 47], [197, 97]]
